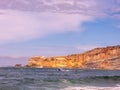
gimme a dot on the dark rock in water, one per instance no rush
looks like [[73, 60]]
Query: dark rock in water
[[18, 65]]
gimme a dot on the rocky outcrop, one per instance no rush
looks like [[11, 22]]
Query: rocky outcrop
[[98, 58], [18, 65]]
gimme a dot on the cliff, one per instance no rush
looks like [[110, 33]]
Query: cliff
[[98, 58]]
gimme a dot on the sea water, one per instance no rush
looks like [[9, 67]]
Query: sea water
[[54, 79]]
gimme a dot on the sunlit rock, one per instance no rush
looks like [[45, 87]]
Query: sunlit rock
[[98, 58]]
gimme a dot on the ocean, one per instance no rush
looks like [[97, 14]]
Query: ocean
[[12, 78]]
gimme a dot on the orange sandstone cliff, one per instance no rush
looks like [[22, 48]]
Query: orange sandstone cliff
[[98, 58]]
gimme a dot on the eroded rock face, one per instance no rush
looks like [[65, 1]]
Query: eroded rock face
[[98, 58]]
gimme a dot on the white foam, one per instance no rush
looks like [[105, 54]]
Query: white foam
[[92, 88]]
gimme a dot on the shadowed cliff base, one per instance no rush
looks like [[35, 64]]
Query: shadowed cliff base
[[98, 58]]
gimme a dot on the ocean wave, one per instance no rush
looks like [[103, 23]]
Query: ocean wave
[[52, 79], [92, 88]]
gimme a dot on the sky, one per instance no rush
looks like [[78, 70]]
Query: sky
[[57, 27]]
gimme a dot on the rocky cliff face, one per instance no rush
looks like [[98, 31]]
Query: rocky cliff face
[[98, 58]]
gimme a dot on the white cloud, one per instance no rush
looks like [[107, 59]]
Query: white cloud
[[37, 20], [19, 25]]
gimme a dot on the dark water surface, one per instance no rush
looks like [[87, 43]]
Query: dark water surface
[[53, 79]]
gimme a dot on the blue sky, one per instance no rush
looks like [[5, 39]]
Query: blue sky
[[57, 27]]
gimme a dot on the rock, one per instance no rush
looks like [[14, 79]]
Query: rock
[[18, 65], [98, 58]]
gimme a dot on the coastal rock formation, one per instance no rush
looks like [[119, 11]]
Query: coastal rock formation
[[98, 58], [18, 65]]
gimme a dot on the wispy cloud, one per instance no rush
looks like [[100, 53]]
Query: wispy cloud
[[49, 5]]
